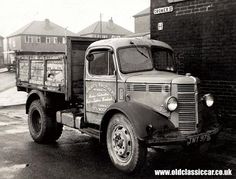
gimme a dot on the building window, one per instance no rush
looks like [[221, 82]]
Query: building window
[[38, 39], [43, 39], [9, 41], [59, 40], [55, 40], [13, 43], [28, 39], [48, 40], [115, 36], [104, 36], [63, 40]]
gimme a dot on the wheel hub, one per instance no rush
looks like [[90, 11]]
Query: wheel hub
[[121, 143]]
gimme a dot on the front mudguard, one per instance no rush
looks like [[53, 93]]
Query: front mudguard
[[209, 118], [143, 118]]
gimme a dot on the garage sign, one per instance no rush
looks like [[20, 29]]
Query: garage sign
[[163, 10]]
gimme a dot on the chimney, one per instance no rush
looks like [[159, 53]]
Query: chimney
[[110, 24], [47, 21], [47, 24]]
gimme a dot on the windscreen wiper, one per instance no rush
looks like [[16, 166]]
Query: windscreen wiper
[[131, 42]]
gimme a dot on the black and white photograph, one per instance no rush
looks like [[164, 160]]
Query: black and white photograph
[[117, 89]]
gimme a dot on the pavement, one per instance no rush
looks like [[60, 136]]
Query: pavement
[[3, 70], [9, 96], [12, 97]]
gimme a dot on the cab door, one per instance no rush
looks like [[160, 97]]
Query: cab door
[[100, 84]]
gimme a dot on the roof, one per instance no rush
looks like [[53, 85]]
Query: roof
[[45, 27], [143, 12], [107, 28], [141, 34], [121, 42]]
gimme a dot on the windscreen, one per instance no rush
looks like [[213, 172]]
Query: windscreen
[[134, 59], [163, 59]]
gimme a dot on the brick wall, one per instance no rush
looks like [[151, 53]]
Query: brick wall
[[203, 34]]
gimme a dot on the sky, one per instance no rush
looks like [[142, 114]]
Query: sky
[[74, 15]]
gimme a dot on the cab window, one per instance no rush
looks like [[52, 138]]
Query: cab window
[[102, 63]]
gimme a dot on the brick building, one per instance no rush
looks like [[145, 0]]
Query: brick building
[[1, 51], [203, 33], [142, 21], [39, 36], [101, 29]]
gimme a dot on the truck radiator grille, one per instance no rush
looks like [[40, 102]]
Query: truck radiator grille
[[187, 107], [139, 87], [148, 87], [186, 88], [155, 88]]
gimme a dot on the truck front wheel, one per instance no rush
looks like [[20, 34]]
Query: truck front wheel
[[42, 126], [126, 151]]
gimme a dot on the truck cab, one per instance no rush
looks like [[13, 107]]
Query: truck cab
[[131, 98]]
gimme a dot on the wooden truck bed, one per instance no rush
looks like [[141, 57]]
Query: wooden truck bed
[[41, 71], [55, 72]]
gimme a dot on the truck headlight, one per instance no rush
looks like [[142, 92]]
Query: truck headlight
[[209, 100], [171, 103]]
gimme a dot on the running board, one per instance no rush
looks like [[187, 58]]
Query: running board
[[76, 121], [91, 132]]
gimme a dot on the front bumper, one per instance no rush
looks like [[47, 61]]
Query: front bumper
[[175, 138]]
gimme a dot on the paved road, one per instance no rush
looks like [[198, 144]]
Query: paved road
[[7, 80], [78, 156], [8, 91]]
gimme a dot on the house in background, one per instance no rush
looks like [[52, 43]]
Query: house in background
[[39, 36], [103, 29], [142, 22], [1, 51]]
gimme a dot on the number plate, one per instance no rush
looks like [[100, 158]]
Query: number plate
[[198, 139]]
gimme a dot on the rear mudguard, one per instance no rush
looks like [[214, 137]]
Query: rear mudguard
[[33, 95], [141, 116]]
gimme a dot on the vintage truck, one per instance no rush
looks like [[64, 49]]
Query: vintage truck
[[123, 91]]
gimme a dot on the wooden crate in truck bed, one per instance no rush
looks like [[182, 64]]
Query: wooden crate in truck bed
[[41, 71]]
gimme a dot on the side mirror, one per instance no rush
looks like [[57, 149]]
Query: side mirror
[[90, 57]]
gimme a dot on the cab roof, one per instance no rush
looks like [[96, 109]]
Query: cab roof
[[122, 42]]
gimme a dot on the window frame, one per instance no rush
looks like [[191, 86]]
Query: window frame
[[63, 40], [28, 39], [55, 40], [113, 60], [172, 54], [118, 58], [13, 43], [48, 38], [38, 39]]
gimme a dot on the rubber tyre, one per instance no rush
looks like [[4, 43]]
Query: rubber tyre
[[43, 127], [133, 156]]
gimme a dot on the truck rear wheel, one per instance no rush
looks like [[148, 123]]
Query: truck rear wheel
[[42, 126], [126, 151]]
